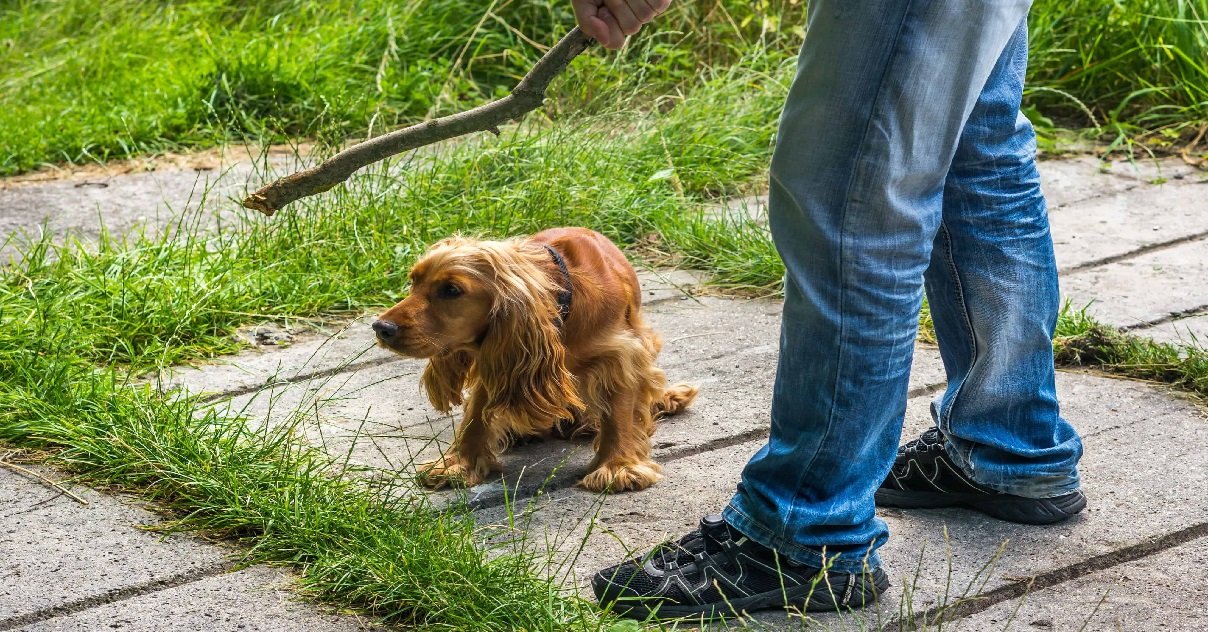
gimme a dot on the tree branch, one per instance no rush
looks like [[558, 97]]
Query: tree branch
[[527, 96]]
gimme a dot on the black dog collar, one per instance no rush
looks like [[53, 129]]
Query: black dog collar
[[564, 296]]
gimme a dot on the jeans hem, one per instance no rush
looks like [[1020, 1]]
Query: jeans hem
[[865, 561], [1052, 487]]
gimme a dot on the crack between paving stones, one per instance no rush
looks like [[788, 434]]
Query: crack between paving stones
[[1095, 196], [1169, 318], [113, 596], [1017, 589], [1143, 250], [301, 377]]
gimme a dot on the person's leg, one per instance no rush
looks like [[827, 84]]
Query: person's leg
[[872, 121], [992, 287], [871, 125]]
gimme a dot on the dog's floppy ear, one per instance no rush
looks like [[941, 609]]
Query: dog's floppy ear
[[445, 377], [522, 367], [522, 362]]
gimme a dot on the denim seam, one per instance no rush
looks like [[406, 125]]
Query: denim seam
[[959, 297], [857, 176]]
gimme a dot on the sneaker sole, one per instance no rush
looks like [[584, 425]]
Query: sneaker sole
[[819, 600], [1034, 511]]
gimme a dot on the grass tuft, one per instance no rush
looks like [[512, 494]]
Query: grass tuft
[[1082, 342]]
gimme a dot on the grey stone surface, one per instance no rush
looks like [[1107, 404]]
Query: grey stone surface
[[1143, 472], [324, 348], [250, 600], [1144, 288], [1163, 592], [123, 202], [1113, 225], [54, 550], [1072, 179]]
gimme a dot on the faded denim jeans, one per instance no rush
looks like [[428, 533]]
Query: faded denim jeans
[[903, 165]]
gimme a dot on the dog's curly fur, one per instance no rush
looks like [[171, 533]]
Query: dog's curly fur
[[486, 315]]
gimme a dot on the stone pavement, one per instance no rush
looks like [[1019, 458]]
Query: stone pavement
[[1132, 242]]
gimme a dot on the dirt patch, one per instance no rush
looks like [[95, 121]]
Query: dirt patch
[[213, 159]]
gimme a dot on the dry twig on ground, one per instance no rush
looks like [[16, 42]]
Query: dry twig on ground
[[35, 475]]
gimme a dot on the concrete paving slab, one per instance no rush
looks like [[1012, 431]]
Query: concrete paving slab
[[56, 552], [1142, 471], [312, 352], [257, 598], [1162, 592], [1067, 180], [121, 203], [1143, 289], [1116, 224]]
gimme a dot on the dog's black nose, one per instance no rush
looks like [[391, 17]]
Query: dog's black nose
[[385, 329]]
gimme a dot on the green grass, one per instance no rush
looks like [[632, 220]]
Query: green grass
[[85, 80], [1082, 342], [1137, 69]]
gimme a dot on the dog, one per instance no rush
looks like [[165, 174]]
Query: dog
[[535, 335]]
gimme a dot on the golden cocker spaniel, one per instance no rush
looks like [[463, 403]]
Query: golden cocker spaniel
[[533, 333]]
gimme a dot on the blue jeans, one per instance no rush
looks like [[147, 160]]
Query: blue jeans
[[903, 163]]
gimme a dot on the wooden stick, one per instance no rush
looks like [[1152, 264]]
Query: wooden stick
[[527, 96], [31, 473]]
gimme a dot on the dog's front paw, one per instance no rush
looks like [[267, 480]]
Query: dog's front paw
[[454, 470], [623, 477]]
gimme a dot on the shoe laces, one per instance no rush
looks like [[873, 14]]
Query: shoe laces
[[679, 552], [930, 441], [704, 540]]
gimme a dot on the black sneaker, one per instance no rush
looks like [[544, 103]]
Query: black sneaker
[[923, 477], [715, 571]]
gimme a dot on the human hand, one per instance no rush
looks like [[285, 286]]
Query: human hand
[[610, 22]]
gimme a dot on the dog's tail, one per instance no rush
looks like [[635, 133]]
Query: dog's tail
[[674, 400]]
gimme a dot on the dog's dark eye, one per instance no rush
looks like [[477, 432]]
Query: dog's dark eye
[[448, 290]]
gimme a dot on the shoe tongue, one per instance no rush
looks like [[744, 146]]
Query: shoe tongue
[[715, 531]]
